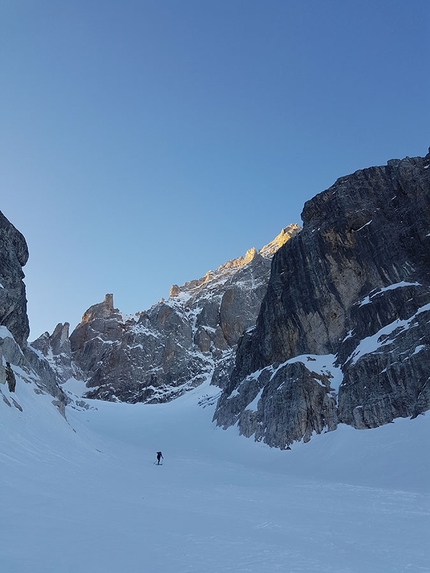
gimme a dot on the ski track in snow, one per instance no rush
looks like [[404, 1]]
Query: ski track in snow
[[85, 496]]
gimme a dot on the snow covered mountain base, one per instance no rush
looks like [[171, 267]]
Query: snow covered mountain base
[[84, 495]]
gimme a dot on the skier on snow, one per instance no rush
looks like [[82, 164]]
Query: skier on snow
[[159, 458]]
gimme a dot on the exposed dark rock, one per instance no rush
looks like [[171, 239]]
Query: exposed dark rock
[[17, 359], [13, 302], [354, 284]]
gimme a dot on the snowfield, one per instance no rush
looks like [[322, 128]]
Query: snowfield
[[85, 496]]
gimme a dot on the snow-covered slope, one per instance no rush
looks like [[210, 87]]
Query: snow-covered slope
[[84, 495]]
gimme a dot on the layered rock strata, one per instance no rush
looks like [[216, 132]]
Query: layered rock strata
[[353, 288]]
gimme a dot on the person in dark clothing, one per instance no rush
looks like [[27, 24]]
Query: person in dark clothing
[[10, 377], [159, 458]]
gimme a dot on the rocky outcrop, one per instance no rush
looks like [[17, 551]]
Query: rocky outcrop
[[56, 348], [13, 301], [156, 355], [353, 286], [26, 366], [18, 362]]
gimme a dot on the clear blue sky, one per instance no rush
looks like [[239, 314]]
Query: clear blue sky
[[143, 143]]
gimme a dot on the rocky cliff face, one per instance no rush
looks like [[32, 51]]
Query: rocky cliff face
[[343, 332], [18, 362], [13, 302], [158, 354]]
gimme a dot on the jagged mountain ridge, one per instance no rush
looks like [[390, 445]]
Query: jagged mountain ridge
[[343, 334], [158, 354]]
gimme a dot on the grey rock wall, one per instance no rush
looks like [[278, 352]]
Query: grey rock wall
[[13, 301], [353, 285], [18, 362]]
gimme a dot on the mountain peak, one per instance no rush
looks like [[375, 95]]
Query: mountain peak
[[101, 310], [232, 266], [285, 235]]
